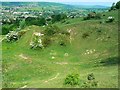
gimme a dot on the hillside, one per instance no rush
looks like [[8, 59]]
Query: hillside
[[45, 5], [95, 53]]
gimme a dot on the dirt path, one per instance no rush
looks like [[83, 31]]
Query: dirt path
[[2, 39], [23, 56], [52, 78]]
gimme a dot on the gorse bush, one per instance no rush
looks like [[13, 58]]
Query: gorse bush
[[72, 79]]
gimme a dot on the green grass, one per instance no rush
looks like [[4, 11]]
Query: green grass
[[40, 67]]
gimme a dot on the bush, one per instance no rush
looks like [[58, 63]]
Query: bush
[[98, 16], [72, 79], [118, 5], [6, 28], [58, 17], [22, 24], [12, 36], [36, 42], [92, 15], [86, 18], [51, 30], [46, 41], [110, 19], [22, 32], [91, 81], [85, 35], [35, 21]]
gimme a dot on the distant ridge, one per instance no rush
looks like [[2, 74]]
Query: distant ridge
[[53, 4]]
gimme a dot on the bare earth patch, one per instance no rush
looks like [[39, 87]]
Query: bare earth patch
[[22, 56], [52, 78], [61, 63]]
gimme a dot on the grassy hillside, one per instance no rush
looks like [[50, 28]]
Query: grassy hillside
[[40, 5], [24, 67]]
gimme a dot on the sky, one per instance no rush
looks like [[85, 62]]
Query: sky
[[67, 0], [91, 2]]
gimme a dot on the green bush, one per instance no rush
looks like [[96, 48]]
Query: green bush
[[35, 21], [85, 35], [92, 15], [12, 36], [36, 43], [6, 28], [98, 16], [22, 32], [46, 41], [51, 30], [86, 18], [110, 19], [91, 82], [22, 24], [72, 79], [118, 5], [58, 17]]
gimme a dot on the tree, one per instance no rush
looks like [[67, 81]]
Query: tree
[[22, 24], [118, 5], [58, 17], [51, 30], [35, 21], [113, 6]]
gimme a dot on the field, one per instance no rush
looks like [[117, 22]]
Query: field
[[48, 68]]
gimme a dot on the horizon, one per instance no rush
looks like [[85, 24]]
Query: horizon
[[68, 3]]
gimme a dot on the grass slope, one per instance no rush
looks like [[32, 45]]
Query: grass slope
[[23, 67]]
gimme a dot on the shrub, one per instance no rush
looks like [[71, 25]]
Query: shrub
[[98, 16], [12, 36], [62, 43], [51, 30], [72, 79], [118, 5], [65, 32], [86, 18], [91, 76], [20, 33], [36, 42], [35, 21], [110, 19], [22, 24], [58, 17], [85, 35], [6, 28], [91, 81], [46, 41], [92, 15], [63, 39]]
